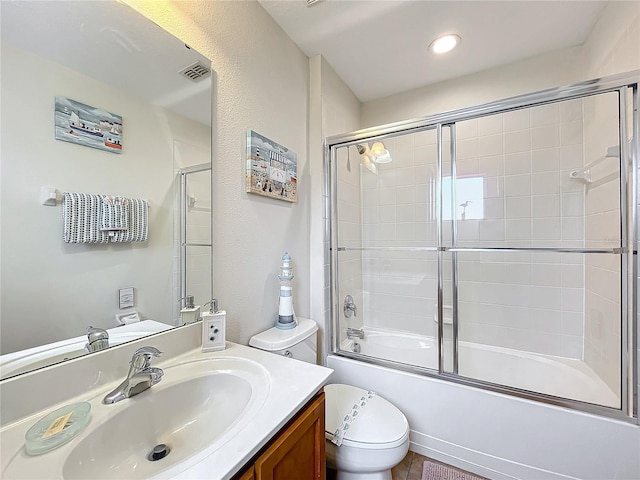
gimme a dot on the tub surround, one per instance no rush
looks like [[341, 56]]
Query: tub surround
[[548, 374], [463, 426], [28, 397]]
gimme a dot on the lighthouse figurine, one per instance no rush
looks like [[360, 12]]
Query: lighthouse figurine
[[286, 316]]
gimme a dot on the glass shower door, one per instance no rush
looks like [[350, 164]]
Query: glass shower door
[[540, 249], [387, 260]]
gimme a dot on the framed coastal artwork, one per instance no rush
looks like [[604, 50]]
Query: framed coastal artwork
[[271, 169], [78, 123]]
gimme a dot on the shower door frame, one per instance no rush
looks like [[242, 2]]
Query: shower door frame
[[623, 84], [183, 243]]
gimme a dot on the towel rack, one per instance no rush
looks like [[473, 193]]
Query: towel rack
[[49, 196], [584, 173]]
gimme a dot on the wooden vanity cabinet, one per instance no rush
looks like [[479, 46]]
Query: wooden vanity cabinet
[[297, 452]]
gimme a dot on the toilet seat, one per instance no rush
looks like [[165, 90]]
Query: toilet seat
[[379, 425]]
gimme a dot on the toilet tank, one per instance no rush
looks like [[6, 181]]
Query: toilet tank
[[300, 342]]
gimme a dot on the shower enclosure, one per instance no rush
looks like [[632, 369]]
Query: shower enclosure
[[193, 226], [495, 245]]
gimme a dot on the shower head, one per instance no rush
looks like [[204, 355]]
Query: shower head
[[363, 149]]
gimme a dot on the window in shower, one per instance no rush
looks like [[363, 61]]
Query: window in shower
[[469, 201], [494, 249]]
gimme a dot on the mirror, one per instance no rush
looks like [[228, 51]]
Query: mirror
[[107, 56]]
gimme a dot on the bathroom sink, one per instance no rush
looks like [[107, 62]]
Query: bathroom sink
[[197, 407], [193, 413]]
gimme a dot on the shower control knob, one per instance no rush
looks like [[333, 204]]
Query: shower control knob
[[288, 354]]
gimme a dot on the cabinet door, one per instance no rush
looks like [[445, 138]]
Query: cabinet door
[[248, 475], [299, 453]]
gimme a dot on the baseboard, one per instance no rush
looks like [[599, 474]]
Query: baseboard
[[480, 463]]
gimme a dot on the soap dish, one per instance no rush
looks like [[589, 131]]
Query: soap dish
[[57, 428]]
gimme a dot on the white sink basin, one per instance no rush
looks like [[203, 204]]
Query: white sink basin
[[196, 408]]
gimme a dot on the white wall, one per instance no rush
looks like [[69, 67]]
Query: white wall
[[333, 109], [261, 83], [538, 73], [52, 290]]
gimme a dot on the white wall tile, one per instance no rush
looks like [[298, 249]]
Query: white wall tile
[[518, 207], [516, 120], [545, 183], [517, 141], [547, 229], [518, 229], [467, 148], [545, 115], [492, 230], [515, 163], [490, 145], [490, 125], [545, 160], [517, 185], [571, 133], [545, 206], [492, 165], [545, 137], [467, 129]]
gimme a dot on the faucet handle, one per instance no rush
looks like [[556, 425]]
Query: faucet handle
[[147, 351], [141, 358]]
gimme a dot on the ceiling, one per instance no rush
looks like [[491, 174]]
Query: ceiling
[[380, 47], [111, 42]]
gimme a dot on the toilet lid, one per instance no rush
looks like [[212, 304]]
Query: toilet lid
[[378, 425]]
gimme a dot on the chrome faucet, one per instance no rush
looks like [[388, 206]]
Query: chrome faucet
[[349, 307], [97, 339], [141, 376]]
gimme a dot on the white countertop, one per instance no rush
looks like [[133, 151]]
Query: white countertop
[[292, 385]]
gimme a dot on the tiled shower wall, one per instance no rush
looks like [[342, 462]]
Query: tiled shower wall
[[527, 301]]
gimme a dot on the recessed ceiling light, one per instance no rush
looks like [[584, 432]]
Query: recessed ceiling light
[[444, 44]]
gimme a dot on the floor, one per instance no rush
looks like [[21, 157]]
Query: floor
[[410, 468]]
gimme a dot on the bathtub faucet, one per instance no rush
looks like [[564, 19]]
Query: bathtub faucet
[[349, 307], [355, 332]]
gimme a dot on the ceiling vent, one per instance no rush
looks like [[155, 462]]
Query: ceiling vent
[[196, 72], [312, 2]]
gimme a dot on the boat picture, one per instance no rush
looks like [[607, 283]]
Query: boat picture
[[111, 143], [83, 124], [85, 127]]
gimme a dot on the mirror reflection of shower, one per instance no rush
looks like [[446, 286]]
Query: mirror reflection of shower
[[193, 229]]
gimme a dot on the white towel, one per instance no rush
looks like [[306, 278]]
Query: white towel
[[138, 230], [115, 214], [86, 219], [81, 216]]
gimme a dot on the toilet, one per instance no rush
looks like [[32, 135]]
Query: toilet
[[378, 437]]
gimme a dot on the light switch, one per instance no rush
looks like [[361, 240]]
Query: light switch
[[126, 297]]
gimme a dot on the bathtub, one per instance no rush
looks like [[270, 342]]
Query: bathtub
[[492, 434], [557, 376]]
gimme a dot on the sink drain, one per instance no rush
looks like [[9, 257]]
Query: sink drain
[[159, 452]]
